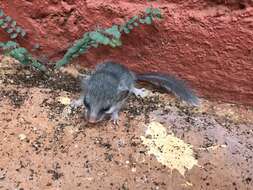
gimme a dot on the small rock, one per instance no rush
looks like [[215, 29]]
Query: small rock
[[22, 137], [2, 174], [66, 111], [64, 100]]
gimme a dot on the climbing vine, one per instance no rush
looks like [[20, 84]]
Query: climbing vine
[[21, 54], [9, 25], [110, 36], [12, 48]]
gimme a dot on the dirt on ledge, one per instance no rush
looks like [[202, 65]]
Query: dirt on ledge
[[207, 42], [44, 146]]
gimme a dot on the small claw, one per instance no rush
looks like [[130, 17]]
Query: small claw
[[142, 92], [115, 118], [115, 122], [76, 103], [73, 105]]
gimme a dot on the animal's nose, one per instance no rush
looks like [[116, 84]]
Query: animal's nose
[[92, 120]]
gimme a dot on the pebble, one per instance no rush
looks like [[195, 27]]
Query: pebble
[[22, 137]]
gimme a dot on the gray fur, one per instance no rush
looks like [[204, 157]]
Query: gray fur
[[172, 84], [105, 91]]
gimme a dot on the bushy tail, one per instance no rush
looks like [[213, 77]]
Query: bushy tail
[[172, 84]]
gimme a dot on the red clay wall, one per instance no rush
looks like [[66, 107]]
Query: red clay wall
[[207, 42]]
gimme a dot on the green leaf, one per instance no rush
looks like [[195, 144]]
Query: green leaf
[[142, 21], [20, 55], [75, 55], [18, 29], [136, 24], [1, 13], [105, 41], [14, 23], [130, 27], [112, 44], [148, 20], [23, 33], [8, 19], [126, 30], [20, 51], [38, 65], [94, 35], [82, 50], [114, 31], [121, 28], [9, 45], [99, 38], [2, 22], [148, 10], [132, 20], [5, 25], [9, 30], [157, 13], [117, 42], [94, 45], [14, 35]]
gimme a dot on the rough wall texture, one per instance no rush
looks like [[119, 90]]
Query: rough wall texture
[[207, 42]]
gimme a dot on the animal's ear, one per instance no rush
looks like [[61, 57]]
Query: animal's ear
[[84, 81], [83, 76]]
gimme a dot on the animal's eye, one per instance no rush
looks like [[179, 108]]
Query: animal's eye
[[86, 103], [105, 109]]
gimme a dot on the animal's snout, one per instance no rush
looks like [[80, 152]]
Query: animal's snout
[[92, 120], [94, 116]]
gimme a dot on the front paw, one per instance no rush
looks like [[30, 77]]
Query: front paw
[[141, 92], [115, 118], [115, 122], [75, 103]]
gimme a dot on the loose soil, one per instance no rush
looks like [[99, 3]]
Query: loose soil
[[45, 145]]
